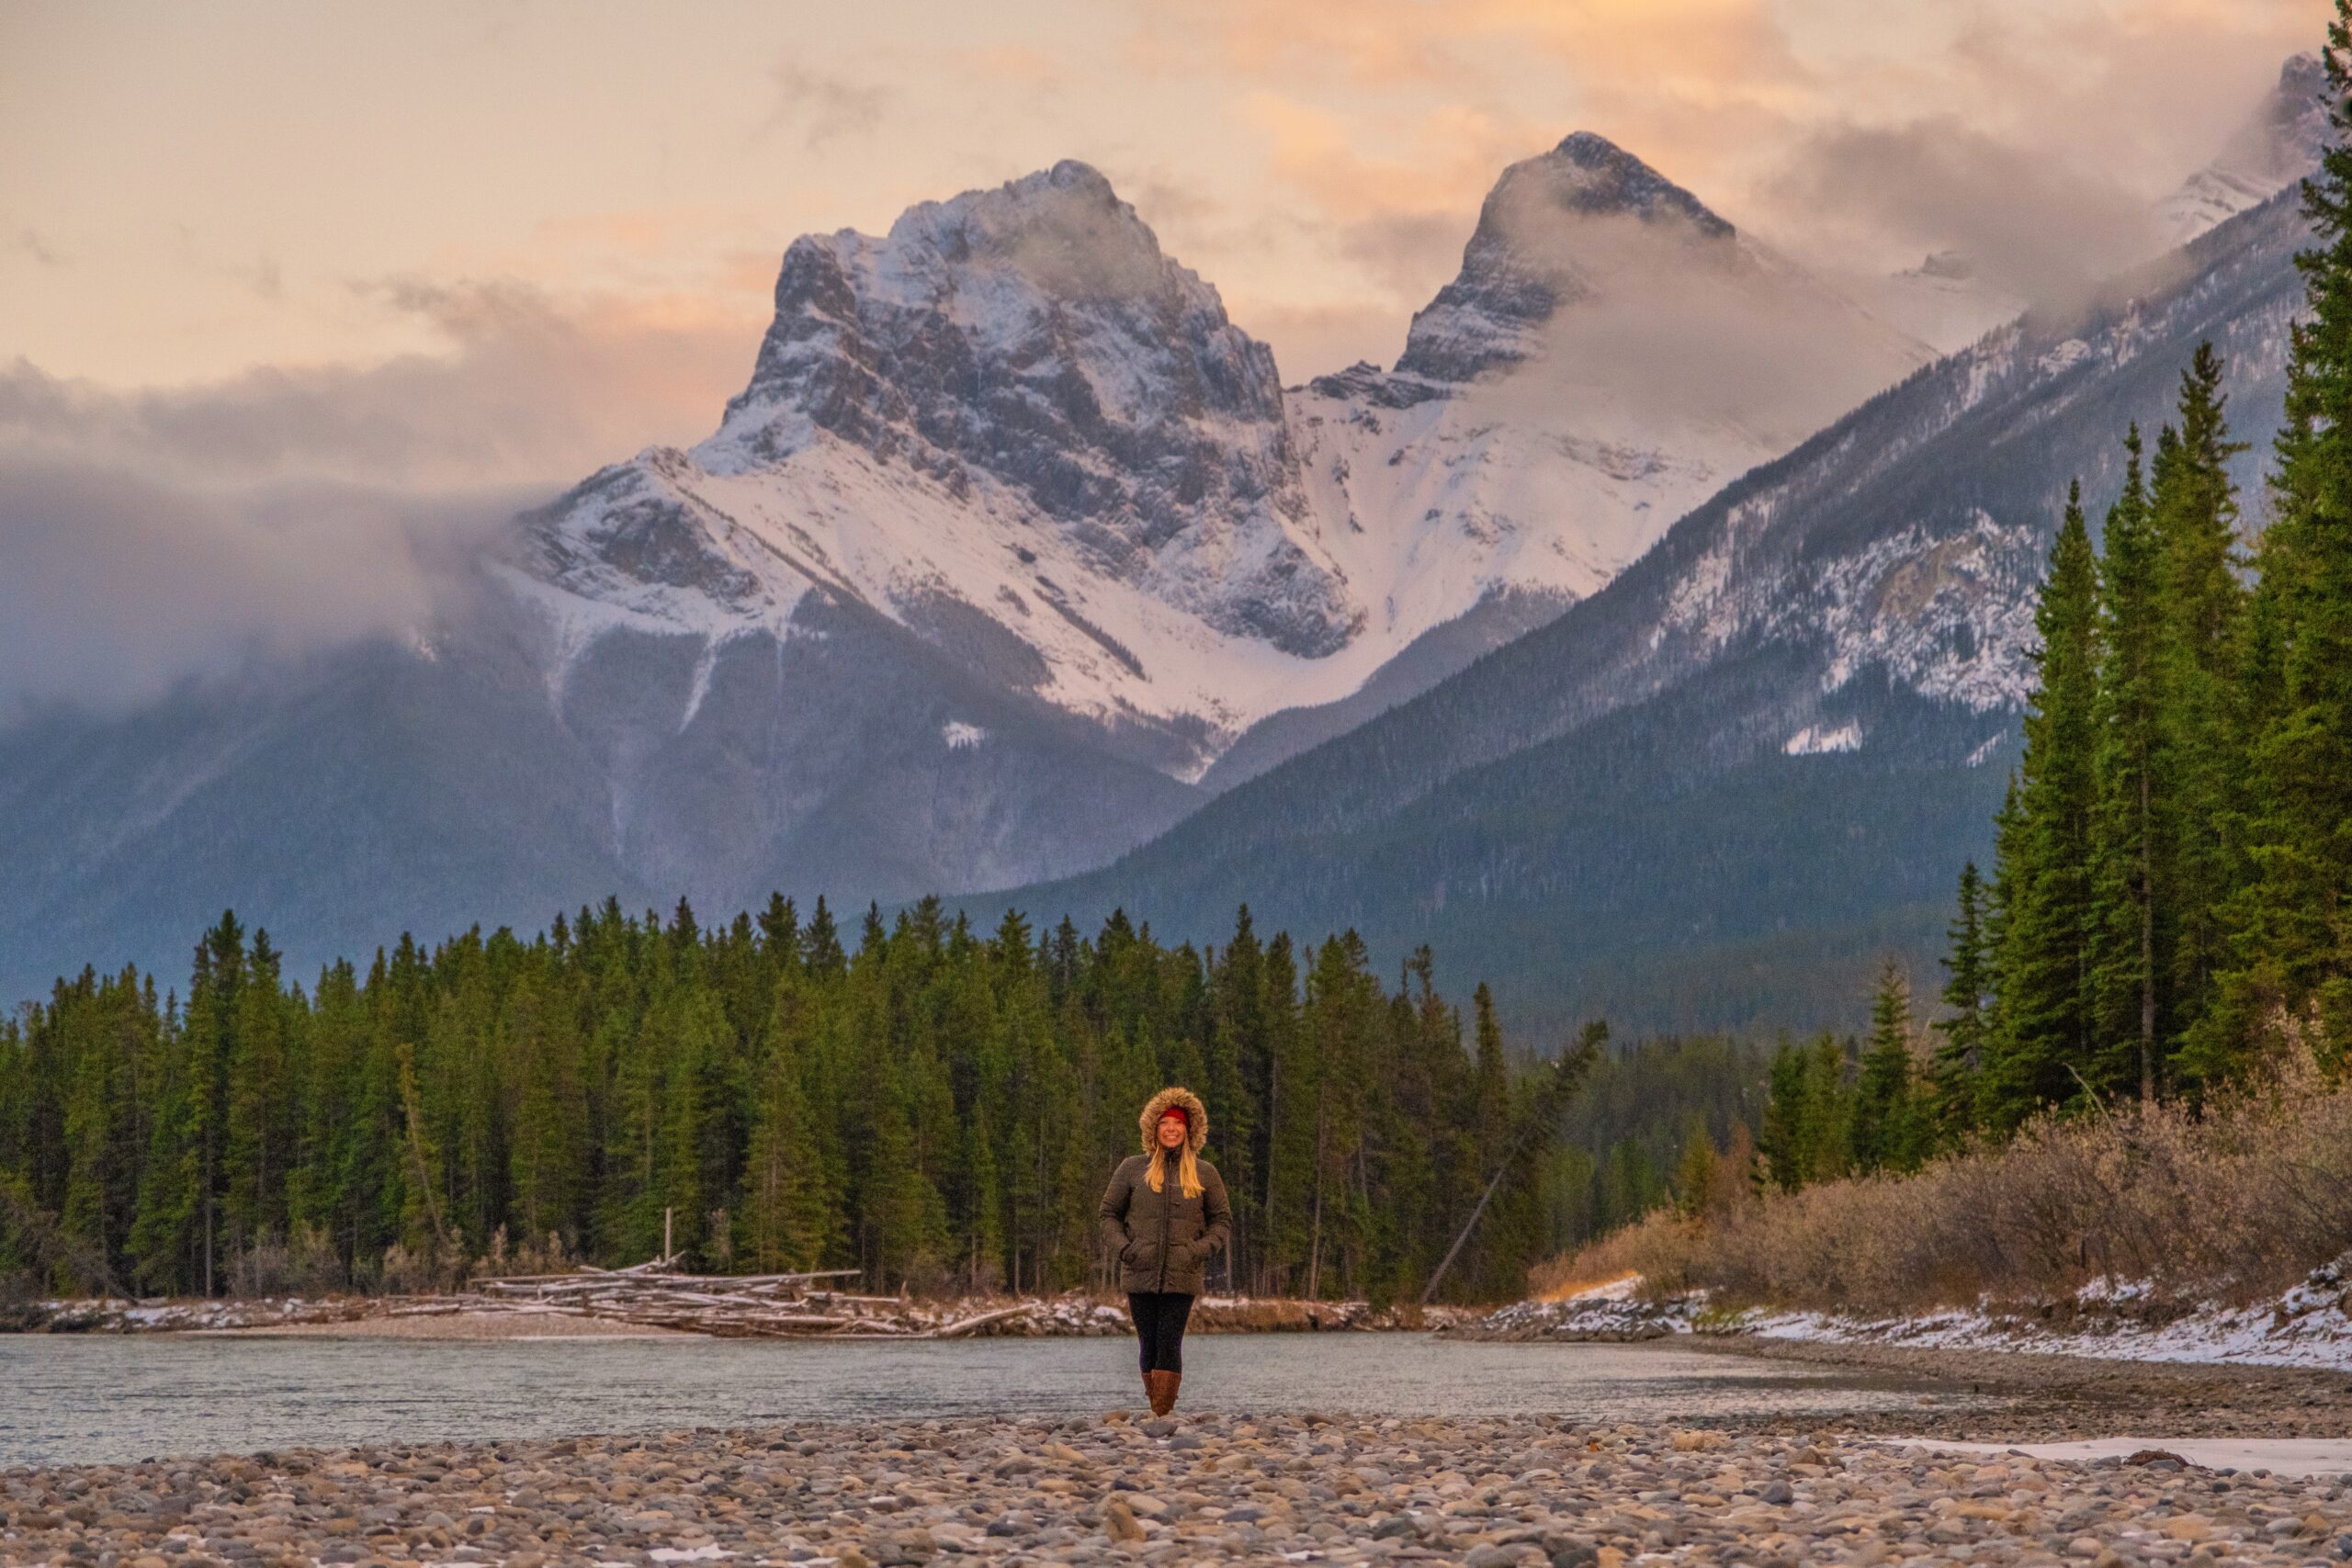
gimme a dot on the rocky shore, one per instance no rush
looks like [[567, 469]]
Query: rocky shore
[[1300, 1488], [472, 1317]]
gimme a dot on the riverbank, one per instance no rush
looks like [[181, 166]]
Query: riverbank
[[483, 1317], [2308, 1324], [2003, 1396], [1294, 1487]]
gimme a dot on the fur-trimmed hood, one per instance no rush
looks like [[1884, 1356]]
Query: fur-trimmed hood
[[1197, 1114]]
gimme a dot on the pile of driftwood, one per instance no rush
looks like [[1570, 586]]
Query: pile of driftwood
[[653, 1295]]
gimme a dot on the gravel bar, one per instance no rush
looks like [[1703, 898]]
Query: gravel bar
[[1482, 1492], [2006, 1396]]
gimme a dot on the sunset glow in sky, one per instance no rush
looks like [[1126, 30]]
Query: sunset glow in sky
[[560, 222]]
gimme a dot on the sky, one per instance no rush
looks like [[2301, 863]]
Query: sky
[[420, 257]]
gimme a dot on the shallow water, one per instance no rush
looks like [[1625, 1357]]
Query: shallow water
[[112, 1398]]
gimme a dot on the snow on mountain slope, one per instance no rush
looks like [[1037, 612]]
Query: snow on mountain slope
[[1945, 301], [2279, 143], [1717, 791], [1611, 354], [1015, 428]]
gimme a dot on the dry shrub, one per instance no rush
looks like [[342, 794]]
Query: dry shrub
[[305, 1263], [532, 1254], [427, 1271], [2237, 1200]]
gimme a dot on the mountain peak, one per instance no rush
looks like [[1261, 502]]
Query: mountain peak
[[1547, 236], [2278, 144], [1607, 178], [1028, 350]]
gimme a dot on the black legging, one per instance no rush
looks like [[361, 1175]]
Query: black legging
[[1160, 1328]]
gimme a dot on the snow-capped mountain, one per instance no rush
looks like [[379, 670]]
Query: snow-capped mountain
[[1611, 354], [1010, 426], [1717, 791], [1013, 427], [1012, 550], [2279, 143]]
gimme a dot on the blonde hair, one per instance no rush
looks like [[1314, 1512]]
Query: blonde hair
[[1188, 1171]]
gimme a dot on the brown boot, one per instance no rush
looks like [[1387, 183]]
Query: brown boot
[[1151, 1391], [1168, 1383]]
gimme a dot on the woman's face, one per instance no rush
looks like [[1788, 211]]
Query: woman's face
[[1172, 1132]]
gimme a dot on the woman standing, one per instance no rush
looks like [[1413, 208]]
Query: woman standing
[[1163, 1215]]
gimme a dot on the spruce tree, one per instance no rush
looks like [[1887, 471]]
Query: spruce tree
[[1888, 1129], [2289, 943], [2128, 842], [2201, 632], [1959, 1058], [2044, 1042]]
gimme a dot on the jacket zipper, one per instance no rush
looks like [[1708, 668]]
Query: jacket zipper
[[1163, 1241]]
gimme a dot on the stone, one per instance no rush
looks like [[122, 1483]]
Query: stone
[[1120, 1524]]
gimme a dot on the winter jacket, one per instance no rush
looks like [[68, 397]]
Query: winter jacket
[[1163, 1240]]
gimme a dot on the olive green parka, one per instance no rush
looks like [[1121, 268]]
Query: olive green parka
[[1163, 1240]]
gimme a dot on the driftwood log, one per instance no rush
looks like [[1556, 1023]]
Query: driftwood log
[[654, 1295]]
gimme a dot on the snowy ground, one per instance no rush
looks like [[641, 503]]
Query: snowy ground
[[2308, 1325], [2274, 1456]]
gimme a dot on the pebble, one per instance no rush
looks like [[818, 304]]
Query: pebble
[[1499, 1492]]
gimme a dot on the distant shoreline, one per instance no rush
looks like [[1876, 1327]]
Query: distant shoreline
[[469, 1317]]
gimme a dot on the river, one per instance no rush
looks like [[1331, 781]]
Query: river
[[117, 1397]]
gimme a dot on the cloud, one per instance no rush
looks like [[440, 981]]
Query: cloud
[[533, 390], [1412, 253], [1313, 339], [825, 108], [2042, 123], [120, 589], [2034, 227], [1664, 327], [291, 507]]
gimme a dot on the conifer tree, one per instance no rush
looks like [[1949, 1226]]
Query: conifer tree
[[2287, 948], [2201, 635], [2128, 838], [2043, 1038], [939, 1110], [1960, 1057], [1889, 1130]]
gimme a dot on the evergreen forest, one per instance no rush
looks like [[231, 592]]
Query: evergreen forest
[[934, 1107]]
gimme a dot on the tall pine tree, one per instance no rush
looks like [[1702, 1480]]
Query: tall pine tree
[[2043, 1029]]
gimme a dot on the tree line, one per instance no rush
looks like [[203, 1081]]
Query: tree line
[[935, 1106]]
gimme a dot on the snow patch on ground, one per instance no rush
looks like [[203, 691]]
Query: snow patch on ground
[[1611, 1312], [1811, 741], [2307, 1326], [962, 737], [2280, 1456]]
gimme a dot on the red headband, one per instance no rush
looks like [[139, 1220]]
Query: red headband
[[1179, 1112]]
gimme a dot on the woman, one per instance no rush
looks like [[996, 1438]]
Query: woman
[[1163, 1215]]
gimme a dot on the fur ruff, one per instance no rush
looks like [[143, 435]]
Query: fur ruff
[[1197, 1133], [1196, 1118]]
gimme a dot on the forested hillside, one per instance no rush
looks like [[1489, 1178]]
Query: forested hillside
[[2164, 922]]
